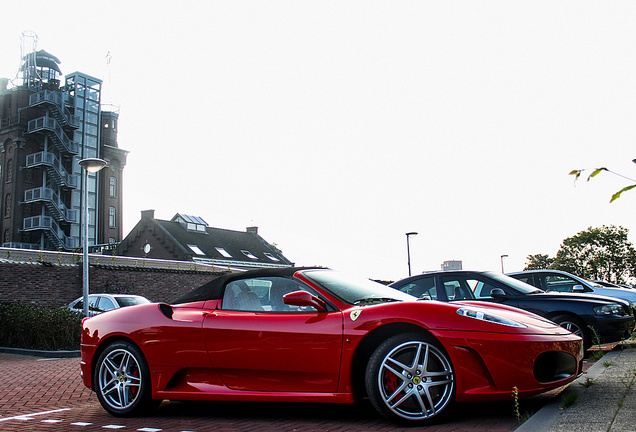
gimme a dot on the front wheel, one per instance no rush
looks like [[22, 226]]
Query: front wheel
[[122, 380], [576, 326], [410, 379]]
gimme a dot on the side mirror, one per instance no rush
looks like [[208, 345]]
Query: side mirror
[[497, 293], [303, 298], [578, 289]]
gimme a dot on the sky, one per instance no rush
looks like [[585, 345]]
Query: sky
[[337, 127]]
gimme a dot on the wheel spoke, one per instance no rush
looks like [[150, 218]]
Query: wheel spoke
[[120, 379], [415, 380]]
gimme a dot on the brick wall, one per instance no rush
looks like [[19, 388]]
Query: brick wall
[[55, 283]]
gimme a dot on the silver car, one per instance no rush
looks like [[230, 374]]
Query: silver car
[[556, 280], [98, 303]]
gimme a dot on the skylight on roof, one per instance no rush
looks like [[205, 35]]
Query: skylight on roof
[[196, 250], [270, 256], [223, 252], [249, 254]]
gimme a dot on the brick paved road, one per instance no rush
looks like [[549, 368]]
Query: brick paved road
[[48, 395]]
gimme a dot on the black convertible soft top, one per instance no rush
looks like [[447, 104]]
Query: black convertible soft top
[[213, 290]]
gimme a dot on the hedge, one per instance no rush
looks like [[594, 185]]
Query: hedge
[[32, 326]]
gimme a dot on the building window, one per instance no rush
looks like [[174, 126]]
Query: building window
[[9, 170], [113, 187], [270, 256], [112, 217], [195, 249], [249, 254], [7, 205], [223, 252]]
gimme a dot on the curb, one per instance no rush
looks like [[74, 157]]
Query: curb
[[41, 353]]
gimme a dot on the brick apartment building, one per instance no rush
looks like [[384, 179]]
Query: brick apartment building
[[46, 127]]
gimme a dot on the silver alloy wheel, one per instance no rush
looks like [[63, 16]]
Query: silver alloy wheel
[[416, 380], [572, 327], [120, 379]]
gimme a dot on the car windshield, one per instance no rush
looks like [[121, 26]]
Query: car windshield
[[522, 287], [354, 290], [130, 301]]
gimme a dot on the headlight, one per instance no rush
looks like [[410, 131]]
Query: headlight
[[612, 309], [488, 317]]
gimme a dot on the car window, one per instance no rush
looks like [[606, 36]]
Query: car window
[[263, 295], [423, 288], [131, 301], [482, 290], [560, 283], [457, 288], [525, 278], [92, 303], [105, 304]]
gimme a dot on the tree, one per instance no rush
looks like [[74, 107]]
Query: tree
[[598, 253], [539, 262]]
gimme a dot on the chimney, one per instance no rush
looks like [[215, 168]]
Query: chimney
[[253, 230], [147, 214]]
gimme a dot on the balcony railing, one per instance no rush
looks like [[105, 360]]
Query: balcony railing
[[54, 167], [59, 111], [51, 230], [52, 202], [55, 132]]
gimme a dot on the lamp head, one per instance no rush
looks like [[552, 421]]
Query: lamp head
[[92, 165]]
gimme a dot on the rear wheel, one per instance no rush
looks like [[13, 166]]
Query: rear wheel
[[122, 380], [576, 326], [410, 379]]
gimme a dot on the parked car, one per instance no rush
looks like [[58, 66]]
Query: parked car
[[315, 335], [612, 319], [98, 303], [612, 285], [560, 281]]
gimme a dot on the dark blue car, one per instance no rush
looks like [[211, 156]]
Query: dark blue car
[[597, 319]]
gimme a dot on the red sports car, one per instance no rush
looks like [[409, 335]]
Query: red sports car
[[315, 335]]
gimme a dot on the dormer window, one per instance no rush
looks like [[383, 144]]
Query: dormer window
[[249, 254], [191, 223]]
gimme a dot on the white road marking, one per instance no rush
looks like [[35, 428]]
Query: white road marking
[[25, 417], [146, 429], [51, 421], [113, 427], [81, 424]]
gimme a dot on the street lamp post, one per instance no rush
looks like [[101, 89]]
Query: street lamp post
[[408, 249], [502, 267], [89, 165]]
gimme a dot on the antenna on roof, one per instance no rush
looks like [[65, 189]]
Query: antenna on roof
[[28, 46]]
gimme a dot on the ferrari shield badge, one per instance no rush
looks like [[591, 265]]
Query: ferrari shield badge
[[355, 314]]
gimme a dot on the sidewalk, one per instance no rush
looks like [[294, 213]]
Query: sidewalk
[[606, 398]]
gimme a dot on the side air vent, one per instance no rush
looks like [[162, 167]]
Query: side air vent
[[166, 310]]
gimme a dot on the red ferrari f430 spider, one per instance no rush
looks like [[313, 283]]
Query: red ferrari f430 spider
[[316, 335]]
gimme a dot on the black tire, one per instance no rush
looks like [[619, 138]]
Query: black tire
[[122, 380], [576, 326], [410, 379]]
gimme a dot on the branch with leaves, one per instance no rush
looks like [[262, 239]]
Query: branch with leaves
[[597, 171]]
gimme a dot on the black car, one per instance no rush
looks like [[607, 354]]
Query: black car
[[611, 319]]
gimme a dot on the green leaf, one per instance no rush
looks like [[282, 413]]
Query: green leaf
[[596, 172], [617, 195], [576, 174]]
